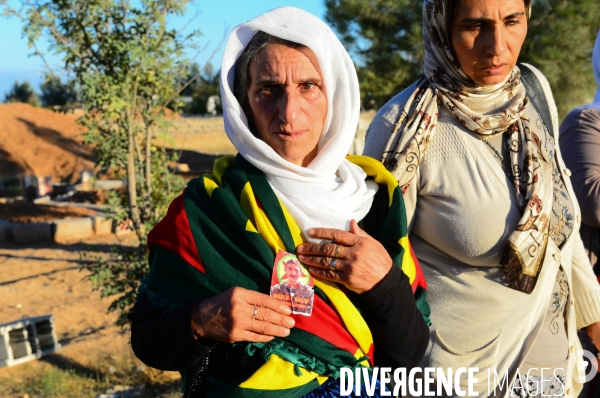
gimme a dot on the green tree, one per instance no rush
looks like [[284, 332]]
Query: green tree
[[194, 70], [128, 65], [22, 92], [384, 36], [559, 42], [57, 93], [206, 86]]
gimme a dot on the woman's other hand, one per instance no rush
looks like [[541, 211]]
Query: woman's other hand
[[238, 314], [352, 258]]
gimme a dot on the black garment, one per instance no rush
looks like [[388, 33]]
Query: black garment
[[164, 340]]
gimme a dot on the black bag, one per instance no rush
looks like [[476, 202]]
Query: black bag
[[535, 92]]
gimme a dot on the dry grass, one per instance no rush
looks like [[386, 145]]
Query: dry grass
[[57, 376], [205, 135], [95, 354]]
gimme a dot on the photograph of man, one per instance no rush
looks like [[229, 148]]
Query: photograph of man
[[292, 289]]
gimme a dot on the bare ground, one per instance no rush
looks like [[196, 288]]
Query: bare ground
[[95, 354]]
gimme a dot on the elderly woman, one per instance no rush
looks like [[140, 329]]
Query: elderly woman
[[492, 214], [291, 105]]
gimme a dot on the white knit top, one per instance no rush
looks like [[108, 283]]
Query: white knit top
[[461, 208]]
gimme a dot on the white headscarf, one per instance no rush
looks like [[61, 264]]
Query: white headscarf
[[330, 191], [596, 66]]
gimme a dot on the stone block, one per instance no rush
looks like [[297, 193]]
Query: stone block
[[44, 332], [102, 226], [32, 232], [27, 339], [107, 185], [42, 200], [72, 229], [5, 230]]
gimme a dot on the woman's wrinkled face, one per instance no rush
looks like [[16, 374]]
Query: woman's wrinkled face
[[487, 36], [288, 102]]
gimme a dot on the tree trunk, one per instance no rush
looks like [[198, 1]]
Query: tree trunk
[[132, 187], [148, 173]]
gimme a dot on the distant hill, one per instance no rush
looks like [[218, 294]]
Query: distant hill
[[41, 142]]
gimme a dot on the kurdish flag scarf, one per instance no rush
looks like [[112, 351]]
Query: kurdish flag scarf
[[486, 111], [225, 231]]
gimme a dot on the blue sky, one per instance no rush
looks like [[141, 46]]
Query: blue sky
[[17, 64]]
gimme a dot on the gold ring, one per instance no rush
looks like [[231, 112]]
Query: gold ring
[[336, 252], [254, 313], [332, 264]]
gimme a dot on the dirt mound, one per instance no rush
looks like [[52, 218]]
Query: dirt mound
[[41, 142], [24, 212]]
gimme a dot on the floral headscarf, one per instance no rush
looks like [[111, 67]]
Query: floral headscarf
[[486, 111]]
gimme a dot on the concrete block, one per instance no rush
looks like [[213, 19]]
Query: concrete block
[[15, 343], [5, 230], [32, 232], [42, 200], [101, 225], [45, 334], [72, 230], [27, 339], [107, 185]]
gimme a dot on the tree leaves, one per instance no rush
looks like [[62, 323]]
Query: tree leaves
[[22, 92], [384, 38], [560, 42], [128, 65]]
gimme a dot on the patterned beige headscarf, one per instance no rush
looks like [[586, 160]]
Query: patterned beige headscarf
[[487, 111]]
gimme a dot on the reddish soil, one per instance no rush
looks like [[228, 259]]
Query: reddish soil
[[29, 212], [41, 142]]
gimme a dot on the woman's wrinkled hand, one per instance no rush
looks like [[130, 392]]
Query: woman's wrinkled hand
[[239, 314], [352, 258]]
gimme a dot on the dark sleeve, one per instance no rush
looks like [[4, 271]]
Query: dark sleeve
[[580, 148], [399, 331], [164, 339]]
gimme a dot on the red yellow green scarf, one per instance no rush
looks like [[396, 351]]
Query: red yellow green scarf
[[226, 229]]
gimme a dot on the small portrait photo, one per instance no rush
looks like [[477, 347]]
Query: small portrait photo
[[292, 283]]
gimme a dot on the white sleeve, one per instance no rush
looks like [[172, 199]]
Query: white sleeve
[[586, 290], [585, 287]]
